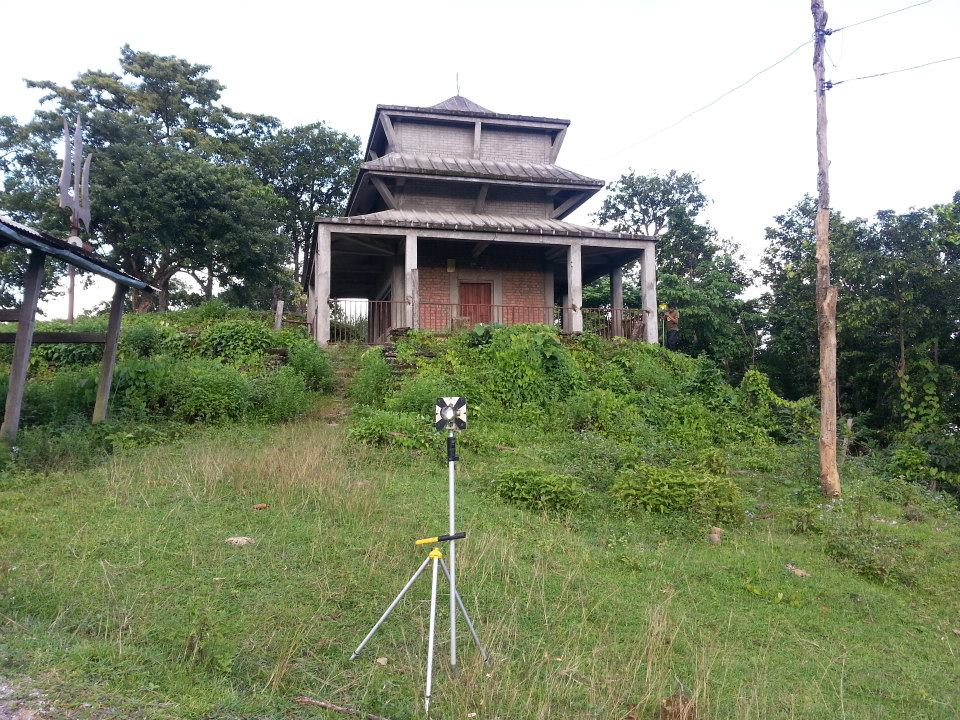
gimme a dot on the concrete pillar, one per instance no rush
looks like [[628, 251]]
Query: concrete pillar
[[398, 315], [575, 287], [616, 300], [411, 287], [565, 312], [648, 281], [548, 297], [321, 284]]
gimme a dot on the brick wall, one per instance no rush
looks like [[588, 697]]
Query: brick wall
[[518, 201], [514, 145], [522, 293], [435, 139], [443, 197]]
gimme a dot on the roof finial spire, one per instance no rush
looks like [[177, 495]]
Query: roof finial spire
[[458, 82]]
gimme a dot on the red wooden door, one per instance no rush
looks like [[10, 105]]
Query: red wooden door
[[475, 301]]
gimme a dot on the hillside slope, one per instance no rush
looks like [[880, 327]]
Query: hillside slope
[[119, 590]]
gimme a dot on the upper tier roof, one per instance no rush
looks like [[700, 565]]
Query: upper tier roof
[[459, 102], [415, 164]]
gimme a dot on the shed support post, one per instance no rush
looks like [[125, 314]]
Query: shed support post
[[575, 287], [321, 284], [411, 287], [21, 346], [616, 300], [109, 355], [648, 275]]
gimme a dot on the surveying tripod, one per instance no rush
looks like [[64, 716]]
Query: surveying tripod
[[437, 557]]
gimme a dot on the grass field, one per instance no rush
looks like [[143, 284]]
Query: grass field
[[119, 592]]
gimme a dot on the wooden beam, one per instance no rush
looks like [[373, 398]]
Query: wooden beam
[[21, 347], [565, 206], [375, 249], [479, 248], [393, 145], [58, 337], [553, 192], [109, 355], [476, 140], [384, 191], [555, 147], [481, 198], [10, 315], [371, 155]]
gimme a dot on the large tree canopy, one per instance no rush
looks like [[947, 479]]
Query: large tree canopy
[[695, 269], [180, 183], [898, 316]]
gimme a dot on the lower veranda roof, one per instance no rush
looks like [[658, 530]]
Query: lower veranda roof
[[477, 223]]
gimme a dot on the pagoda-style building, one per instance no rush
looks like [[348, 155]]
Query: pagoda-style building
[[457, 218]]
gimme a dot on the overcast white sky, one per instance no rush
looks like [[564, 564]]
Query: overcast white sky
[[619, 70]]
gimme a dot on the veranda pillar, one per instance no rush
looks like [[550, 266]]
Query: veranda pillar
[[411, 287], [648, 279], [616, 300], [575, 288], [321, 285]]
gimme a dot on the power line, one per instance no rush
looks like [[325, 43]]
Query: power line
[[876, 17], [714, 101], [830, 85], [771, 67]]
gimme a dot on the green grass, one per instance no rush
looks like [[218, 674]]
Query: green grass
[[117, 590]]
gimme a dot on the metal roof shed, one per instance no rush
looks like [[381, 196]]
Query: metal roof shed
[[40, 246]]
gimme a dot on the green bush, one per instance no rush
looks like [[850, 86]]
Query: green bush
[[599, 410], [539, 490], [373, 426], [208, 391], [312, 364], [278, 396], [872, 552], [419, 395], [144, 339], [372, 381], [668, 490], [233, 340], [65, 395]]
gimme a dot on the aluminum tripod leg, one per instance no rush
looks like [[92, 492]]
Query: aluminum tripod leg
[[433, 627], [456, 595], [389, 610]]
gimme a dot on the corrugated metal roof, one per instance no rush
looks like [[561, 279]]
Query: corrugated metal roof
[[397, 162], [477, 222], [459, 102], [25, 236]]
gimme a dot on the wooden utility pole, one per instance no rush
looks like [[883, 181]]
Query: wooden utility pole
[[826, 293]]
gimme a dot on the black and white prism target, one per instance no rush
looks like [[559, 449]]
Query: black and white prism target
[[451, 414]]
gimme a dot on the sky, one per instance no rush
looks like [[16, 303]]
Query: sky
[[620, 70]]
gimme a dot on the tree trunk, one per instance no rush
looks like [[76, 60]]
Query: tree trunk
[[163, 296], [826, 293], [208, 288]]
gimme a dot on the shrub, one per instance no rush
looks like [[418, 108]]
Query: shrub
[[871, 552], [144, 339], [665, 490], [373, 426], [278, 396], [233, 340], [210, 392], [313, 365], [419, 395], [372, 380], [599, 410], [538, 490]]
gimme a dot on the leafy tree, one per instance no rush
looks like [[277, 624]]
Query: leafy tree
[[175, 175], [311, 169], [702, 274]]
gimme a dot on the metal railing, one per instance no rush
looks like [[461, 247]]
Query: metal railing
[[370, 321]]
